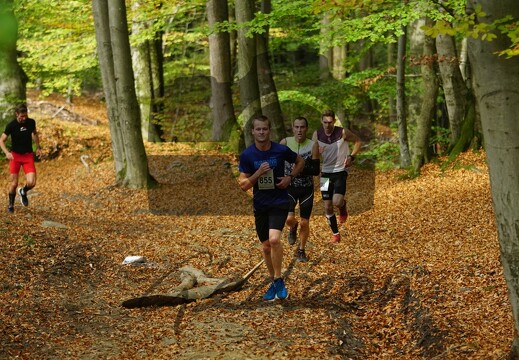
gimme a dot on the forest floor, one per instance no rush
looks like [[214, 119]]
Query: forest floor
[[417, 275]]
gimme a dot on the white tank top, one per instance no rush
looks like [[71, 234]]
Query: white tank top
[[335, 150]]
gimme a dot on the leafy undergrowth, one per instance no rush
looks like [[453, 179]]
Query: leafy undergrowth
[[417, 275]]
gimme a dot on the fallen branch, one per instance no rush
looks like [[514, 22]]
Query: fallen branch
[[187, 292]]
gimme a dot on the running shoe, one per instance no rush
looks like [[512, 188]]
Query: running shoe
[[271, 292], [281, 290], [335, 238], [301, 256], [23, 197], [10, 209], [343, 214], [292, 234]]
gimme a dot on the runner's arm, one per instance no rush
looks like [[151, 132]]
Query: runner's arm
[[348, 135], [246, 181], [3, 138], [36, 139]]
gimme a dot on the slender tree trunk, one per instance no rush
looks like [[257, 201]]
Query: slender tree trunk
[[454, 86], [118, 81], [221, 77], [247, 69], [233, 40], [339, 73], [142, 57], [269, 96], [367, 63], [326, 52], [391, 62], [496, 79], [401, 115], [106, 64], [428, 108], [12, 77]]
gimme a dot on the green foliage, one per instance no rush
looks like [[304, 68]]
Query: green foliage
[[386, 154], [58, 43], [440, 136]]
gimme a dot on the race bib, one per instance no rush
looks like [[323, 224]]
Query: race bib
[[325, 183], [266, 181]]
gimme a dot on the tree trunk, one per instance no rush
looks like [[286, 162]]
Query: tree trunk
[[454, 86], [269, 97], [339, 73], [401, 115], [391, 62], [118, 81], [12, 77], [495, 85], [221, 76], [143, 57], [106, 64], [326, 57], [247, 69], [428, 108]]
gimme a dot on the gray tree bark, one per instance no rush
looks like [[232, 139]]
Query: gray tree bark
[[221, 77], [326, 57], [495, 85], [116, 69], [401, 114], [148, 85], [269, 96], [12, 77], [428, 108], [247, 69], [454, 86]]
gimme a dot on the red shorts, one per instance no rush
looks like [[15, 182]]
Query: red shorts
[[26, 161]]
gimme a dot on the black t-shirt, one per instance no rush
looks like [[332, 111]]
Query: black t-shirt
[[21, 135]]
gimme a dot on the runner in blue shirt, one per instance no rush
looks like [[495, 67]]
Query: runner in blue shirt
[[262, 168]]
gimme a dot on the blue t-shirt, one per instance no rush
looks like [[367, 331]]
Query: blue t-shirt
[[252, 158]]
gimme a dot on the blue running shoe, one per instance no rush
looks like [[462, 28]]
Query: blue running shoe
[[281, 290], [271, 293], [10, 209]]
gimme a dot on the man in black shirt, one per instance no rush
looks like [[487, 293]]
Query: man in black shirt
[[23, 132]]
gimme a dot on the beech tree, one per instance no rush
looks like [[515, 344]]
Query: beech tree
[[454, 87], [247, 68], [401, 113], [220, 66], [428, 106], [269, 96], [131, 165], [147, 61], [495, 84]]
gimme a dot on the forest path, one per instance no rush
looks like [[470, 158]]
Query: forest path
[[417, 275]]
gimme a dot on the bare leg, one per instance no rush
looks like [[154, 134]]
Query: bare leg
[[13, 183], [304, 232], [276, 251]]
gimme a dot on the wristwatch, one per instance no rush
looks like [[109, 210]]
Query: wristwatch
[[352, 157]]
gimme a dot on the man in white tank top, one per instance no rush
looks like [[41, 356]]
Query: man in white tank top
[[336, 158]]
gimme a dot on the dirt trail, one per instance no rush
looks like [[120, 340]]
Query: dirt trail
[[416, 277]]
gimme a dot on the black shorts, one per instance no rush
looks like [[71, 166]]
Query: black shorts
[[271, 218], [305, 197], [336, 185]]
